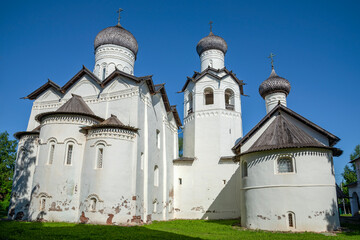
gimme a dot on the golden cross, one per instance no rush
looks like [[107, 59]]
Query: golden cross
[[211, 22], [272, 59], [119, 11]]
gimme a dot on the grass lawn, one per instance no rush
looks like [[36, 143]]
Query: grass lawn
[[177, 229]]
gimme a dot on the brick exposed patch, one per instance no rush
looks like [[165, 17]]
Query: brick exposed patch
[[109, 220], [117, 209], [134, 198], [136, 219], [148, 218], [54, 208], [83, 219], [171, 193]]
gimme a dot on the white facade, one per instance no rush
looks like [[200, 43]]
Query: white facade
[[75, 168]]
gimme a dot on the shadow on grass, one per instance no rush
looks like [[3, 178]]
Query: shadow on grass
[[230, 222], [35, 230]]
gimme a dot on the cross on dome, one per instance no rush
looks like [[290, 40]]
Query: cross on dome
[[210, 23], [119, 17], [272, 59]]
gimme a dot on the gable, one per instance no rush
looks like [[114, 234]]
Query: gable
[[316, 132], [85, 86], [48, 95]]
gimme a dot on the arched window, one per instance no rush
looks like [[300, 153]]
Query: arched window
[[285, 165], [156, 176], [93, 202], [51, 152], [69, 153], [209, 96], [291, 219], [100, 155], [190, 103], [229, 99], [104, 73], [244, 169]]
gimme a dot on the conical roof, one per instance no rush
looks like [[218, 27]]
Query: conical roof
[[282, 133], [274, 83], [75, 105], [112, 122]]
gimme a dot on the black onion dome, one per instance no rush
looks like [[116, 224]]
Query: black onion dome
[[274, 84], [211, 42], [116, 35]]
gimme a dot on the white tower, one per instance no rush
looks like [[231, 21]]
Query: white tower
[[115, 47], [206, 185]]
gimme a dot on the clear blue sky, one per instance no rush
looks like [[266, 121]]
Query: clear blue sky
[[317, 47]]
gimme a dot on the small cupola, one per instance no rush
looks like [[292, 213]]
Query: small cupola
[[212, 50], [274, 89]]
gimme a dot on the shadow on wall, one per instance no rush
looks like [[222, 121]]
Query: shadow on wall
[[331, 216], [227, 204], [20, 194]]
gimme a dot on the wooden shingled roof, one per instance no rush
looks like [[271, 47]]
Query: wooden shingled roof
[[111, 122], [282, 133]]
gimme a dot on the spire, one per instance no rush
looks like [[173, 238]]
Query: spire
[[119, 17]]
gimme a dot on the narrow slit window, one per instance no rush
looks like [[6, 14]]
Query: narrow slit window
[[209, 96], [244, 169], [42, 204], [158, 138], [180, 181], [93, 202], [103, 73], [156, 176], [51, 153], [291, 219], [190, 103], [100, 157], [142, 161], [69, 154]]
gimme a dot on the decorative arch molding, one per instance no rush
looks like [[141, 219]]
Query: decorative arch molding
[[98, 142], [51, 139], [82, 83], [93, 195], [43, 194], [70, 139]]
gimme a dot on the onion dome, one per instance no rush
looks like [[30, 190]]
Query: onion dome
[[116, 35], [274, 84], [211, 42]]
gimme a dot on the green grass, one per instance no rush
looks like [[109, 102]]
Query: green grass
[[346, 215], [178, 229]]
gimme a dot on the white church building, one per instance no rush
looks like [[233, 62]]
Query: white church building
[[103, 149]]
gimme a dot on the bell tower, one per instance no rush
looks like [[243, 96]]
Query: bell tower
[[212, 125]]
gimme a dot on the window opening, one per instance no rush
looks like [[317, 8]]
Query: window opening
[[100, 157], [291, 219], [180, 181], [69, 154], [156, 176], [51, 153], [158, 138], [285, 165], [142, 161], [245, 169], [93, 202], [209, 96], [104, 73], [190, 103], [229, 99], [224, 181], [42, 203]]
